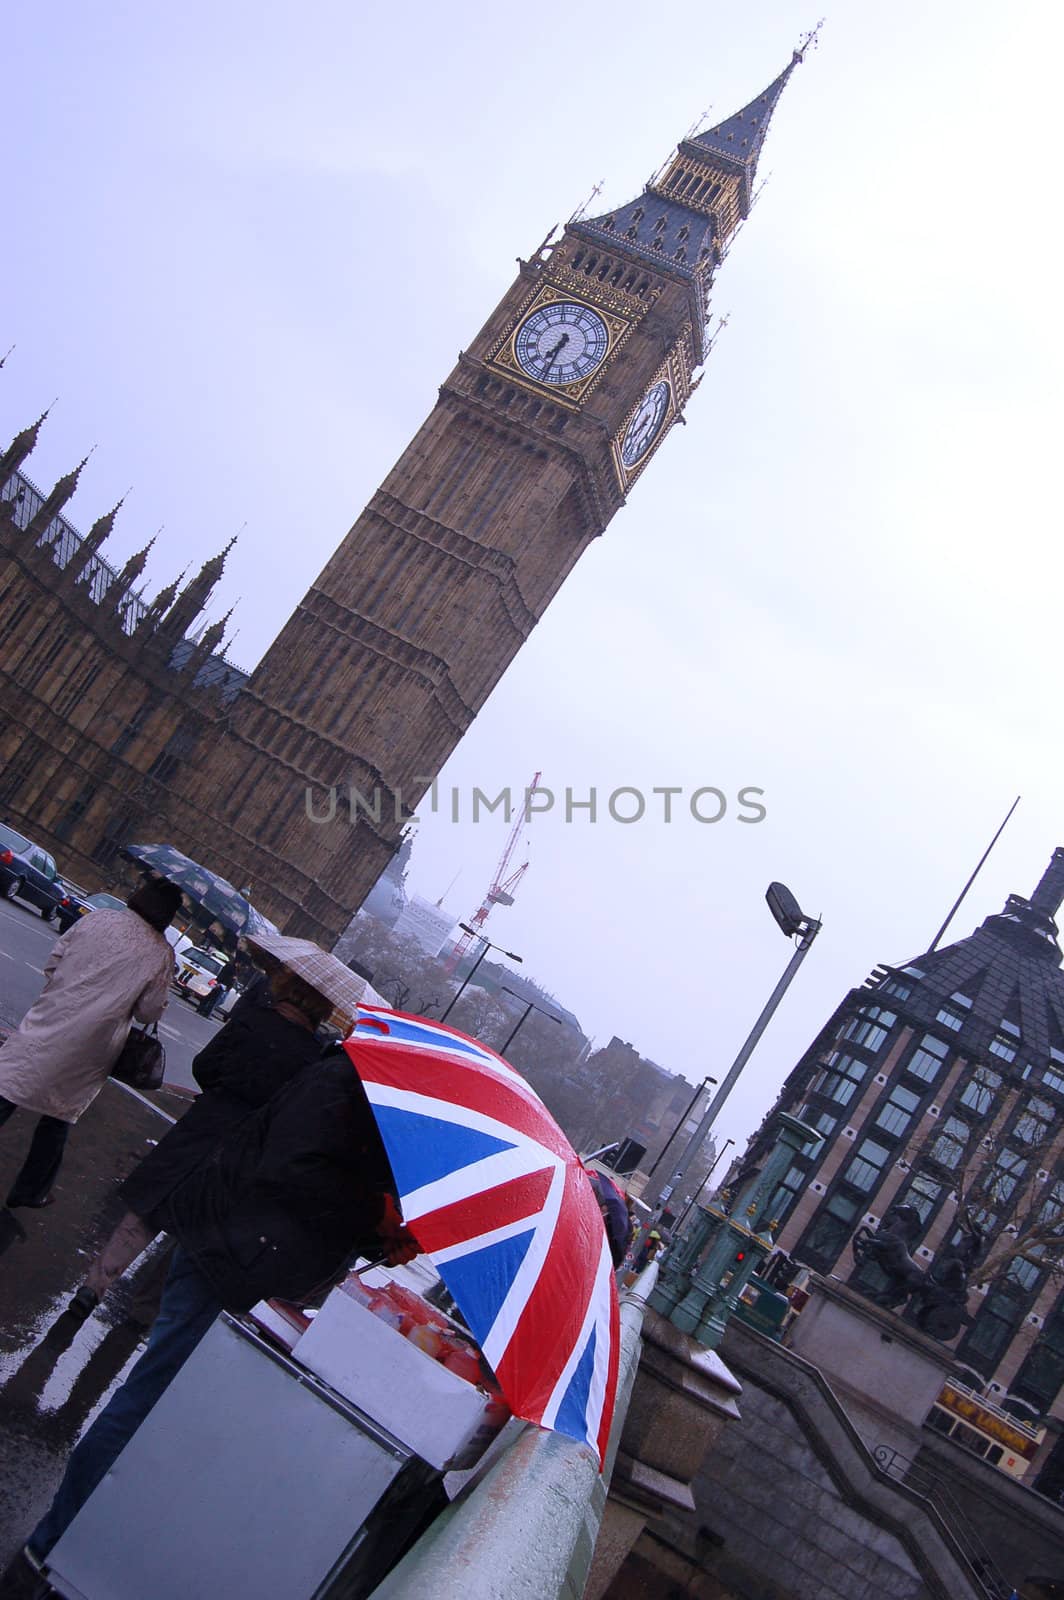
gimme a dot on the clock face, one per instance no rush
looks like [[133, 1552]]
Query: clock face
[[561, 343], [645, 425]]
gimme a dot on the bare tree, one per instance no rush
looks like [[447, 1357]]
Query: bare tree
[[1003, 1155]]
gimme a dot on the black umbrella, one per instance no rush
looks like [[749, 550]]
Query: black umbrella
[[202, 888]]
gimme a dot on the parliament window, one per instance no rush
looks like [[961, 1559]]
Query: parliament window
[[954, 1013], [895, 987], [948, 1148], [866, 1168], [978, 1092], [993, 1329], [828, 1233], [926, 1062], [1033, 1124], [922, 1194], [1009, 1167], [895, 1116], [870, 1027], [840, 1084]]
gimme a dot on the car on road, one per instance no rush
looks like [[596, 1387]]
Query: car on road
[[73, 906], [196, 973], [106, 902], [77, 903], [29, 873]]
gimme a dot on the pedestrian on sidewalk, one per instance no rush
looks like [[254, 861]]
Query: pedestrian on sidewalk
[[299, 1189], [108, 970], [218, 988], [249, 1059]]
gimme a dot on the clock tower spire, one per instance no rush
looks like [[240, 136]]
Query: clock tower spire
[[551, 413]]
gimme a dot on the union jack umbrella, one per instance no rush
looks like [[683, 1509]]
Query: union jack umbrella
[[496, 1196]]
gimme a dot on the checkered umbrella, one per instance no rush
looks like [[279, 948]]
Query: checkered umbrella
[[320, 970], [213, 894]]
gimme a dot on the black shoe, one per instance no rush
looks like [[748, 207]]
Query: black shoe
[[83, 1304]]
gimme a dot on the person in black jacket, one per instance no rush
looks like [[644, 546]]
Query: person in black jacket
[[249, 1059], [298, 1190]]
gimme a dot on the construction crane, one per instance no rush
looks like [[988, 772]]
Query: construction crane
[[503, 885]]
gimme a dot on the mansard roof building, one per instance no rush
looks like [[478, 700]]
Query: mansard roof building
[[939, 1084]]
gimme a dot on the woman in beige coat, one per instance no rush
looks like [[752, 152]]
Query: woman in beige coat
[[111, 968]]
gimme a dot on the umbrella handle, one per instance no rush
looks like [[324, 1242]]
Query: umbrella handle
[[377, 1261]]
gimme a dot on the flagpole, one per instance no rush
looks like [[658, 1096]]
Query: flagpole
[[957, 903]]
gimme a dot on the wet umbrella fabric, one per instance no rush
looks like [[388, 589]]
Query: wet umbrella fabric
[[496, 1196], [203, 888], [322, 971]]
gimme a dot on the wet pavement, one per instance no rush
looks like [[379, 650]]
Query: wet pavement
[[54, 1374]]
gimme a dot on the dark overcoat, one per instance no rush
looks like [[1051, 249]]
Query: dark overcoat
[[297, 1191], [243, 1066]]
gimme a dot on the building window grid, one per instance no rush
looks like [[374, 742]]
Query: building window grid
[[1053, 1079], [869, 1027], [954, 1012], [978, 1093], [866, 1168], [1004, 1176], [896, 989], [839, 1078], [948, 1149], [1034, 1122], [896, 1112], [923, 1194], [927, 1060]]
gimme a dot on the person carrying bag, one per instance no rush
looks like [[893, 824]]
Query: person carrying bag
[[109, 970]]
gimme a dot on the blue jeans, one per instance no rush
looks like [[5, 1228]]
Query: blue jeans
[[189, 1306]]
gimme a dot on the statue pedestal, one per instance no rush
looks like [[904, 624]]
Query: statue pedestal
[[887, 1373], [683, 1397]]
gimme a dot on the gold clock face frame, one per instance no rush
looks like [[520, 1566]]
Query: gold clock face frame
[[561, 344], [645, 426]]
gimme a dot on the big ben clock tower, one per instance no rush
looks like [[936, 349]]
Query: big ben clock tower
[[538, 435]]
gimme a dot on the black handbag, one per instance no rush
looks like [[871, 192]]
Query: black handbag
[[142, 1061]]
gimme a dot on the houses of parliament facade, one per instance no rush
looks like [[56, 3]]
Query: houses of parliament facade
[[121, 724]]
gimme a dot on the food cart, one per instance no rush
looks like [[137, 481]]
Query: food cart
[[294, 1473]]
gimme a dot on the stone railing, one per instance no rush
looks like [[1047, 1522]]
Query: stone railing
[[526, 1527]]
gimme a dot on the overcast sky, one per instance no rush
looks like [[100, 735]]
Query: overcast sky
[[244, 244]]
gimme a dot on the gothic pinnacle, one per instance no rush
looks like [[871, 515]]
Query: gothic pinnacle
[[101, 529], [166, 597], [60, 494], [21, 446], [135, 565]]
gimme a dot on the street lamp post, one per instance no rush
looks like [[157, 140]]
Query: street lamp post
[[487, 944], [530, 1005], [791, 921], [668, 1142], [689, 1207]]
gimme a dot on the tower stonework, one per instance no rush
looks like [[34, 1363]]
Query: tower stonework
[[536, 438]]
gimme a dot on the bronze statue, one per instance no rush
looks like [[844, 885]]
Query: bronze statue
[[938, 1298]]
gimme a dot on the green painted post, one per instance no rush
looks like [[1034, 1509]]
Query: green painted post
[[695, 1298]]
